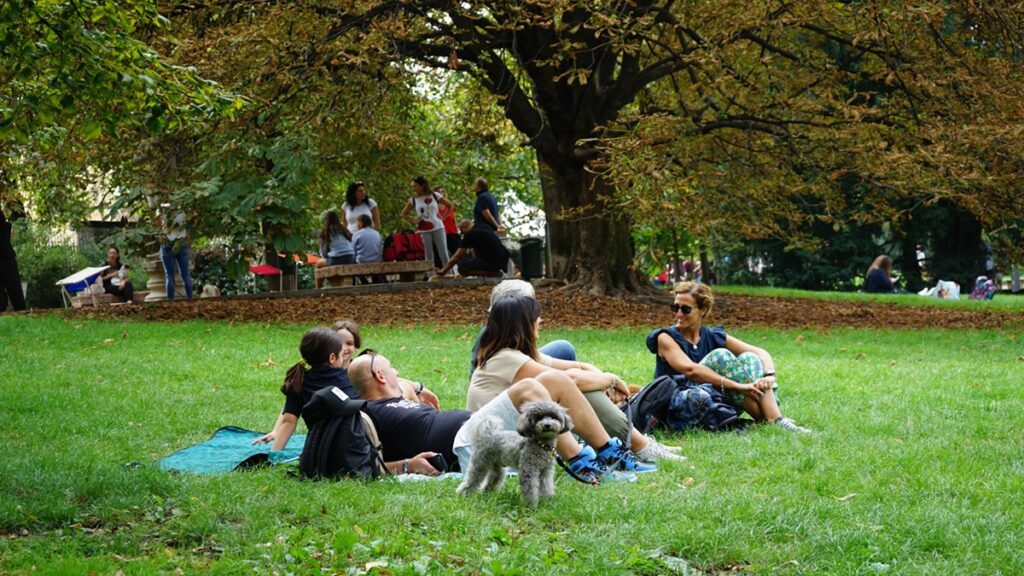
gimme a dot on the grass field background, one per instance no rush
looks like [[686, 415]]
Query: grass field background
[[916, 465], [1003, 302]]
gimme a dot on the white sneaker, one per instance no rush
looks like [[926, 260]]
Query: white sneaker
[[656, 451], [672, 449], [788, 424]]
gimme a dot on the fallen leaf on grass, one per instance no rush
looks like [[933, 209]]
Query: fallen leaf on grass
[[99, 378], [107, 341], [860, 355], [269, 361], [892, 362], [847, 497], [800, 339], [1021, 358]]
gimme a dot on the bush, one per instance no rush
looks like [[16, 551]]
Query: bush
[[42, 265], [212, 267]]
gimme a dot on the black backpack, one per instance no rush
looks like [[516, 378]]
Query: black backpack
[[338, 444], [673, 402], [648, 408]]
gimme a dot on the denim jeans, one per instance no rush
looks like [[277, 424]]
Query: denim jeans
[[560, 349], [170, 259], [339, 260]]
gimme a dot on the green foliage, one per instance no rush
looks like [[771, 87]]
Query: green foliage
[[41, 264], [76, 76], [212, 266], [899, 476]]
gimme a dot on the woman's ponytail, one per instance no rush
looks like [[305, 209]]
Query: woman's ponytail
[[294, 378]]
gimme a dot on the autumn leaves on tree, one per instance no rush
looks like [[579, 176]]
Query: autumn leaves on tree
[[732, 119]]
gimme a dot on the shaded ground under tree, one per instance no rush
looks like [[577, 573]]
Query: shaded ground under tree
[[468, 304]]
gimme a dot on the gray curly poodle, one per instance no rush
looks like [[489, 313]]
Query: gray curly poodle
[[531, 449]]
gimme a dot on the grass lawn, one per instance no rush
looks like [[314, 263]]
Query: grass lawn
[[916, 465], [1003, 302]]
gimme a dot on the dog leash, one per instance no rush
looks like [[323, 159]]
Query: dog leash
[[629, 423]]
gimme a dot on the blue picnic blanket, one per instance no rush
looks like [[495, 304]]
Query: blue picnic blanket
[[230, 448]]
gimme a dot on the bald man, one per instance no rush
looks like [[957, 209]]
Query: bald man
[[412, 432]]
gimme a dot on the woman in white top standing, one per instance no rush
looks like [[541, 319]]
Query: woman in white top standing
[[426, 207], [356, 204]]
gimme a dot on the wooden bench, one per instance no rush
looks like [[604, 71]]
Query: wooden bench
[[81, 300], [408, 271]]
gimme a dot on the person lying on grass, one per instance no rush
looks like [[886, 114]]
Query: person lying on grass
[[412, 432], [326, 355], [561, 355], [351, 340], [744, 373]]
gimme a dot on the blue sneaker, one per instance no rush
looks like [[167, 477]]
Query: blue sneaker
[[586, 467], [617, 457]]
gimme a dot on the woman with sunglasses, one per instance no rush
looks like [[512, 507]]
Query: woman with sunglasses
[[744, 373]]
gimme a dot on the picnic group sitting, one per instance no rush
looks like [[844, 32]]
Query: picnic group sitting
[[509, 370]]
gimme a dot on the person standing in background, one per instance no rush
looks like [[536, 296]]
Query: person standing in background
[[451, 230], [10, 279], [174, 249], [356, 204], [426, 207], [485, 211]]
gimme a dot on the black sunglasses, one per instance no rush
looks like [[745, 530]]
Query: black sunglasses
[[686, 308], [373, 357]]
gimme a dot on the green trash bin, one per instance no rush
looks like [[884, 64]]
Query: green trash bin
[[531, 258]]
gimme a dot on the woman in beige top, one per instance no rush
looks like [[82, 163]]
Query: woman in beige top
[[508, 353]]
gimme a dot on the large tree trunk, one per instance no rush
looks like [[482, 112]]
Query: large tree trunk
[[591, 246]]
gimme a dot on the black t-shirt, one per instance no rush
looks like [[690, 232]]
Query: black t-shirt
[[407, 428], [710, 338], [318, 378], [486, 245]]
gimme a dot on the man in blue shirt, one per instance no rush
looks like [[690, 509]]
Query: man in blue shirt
[[485, 211]]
